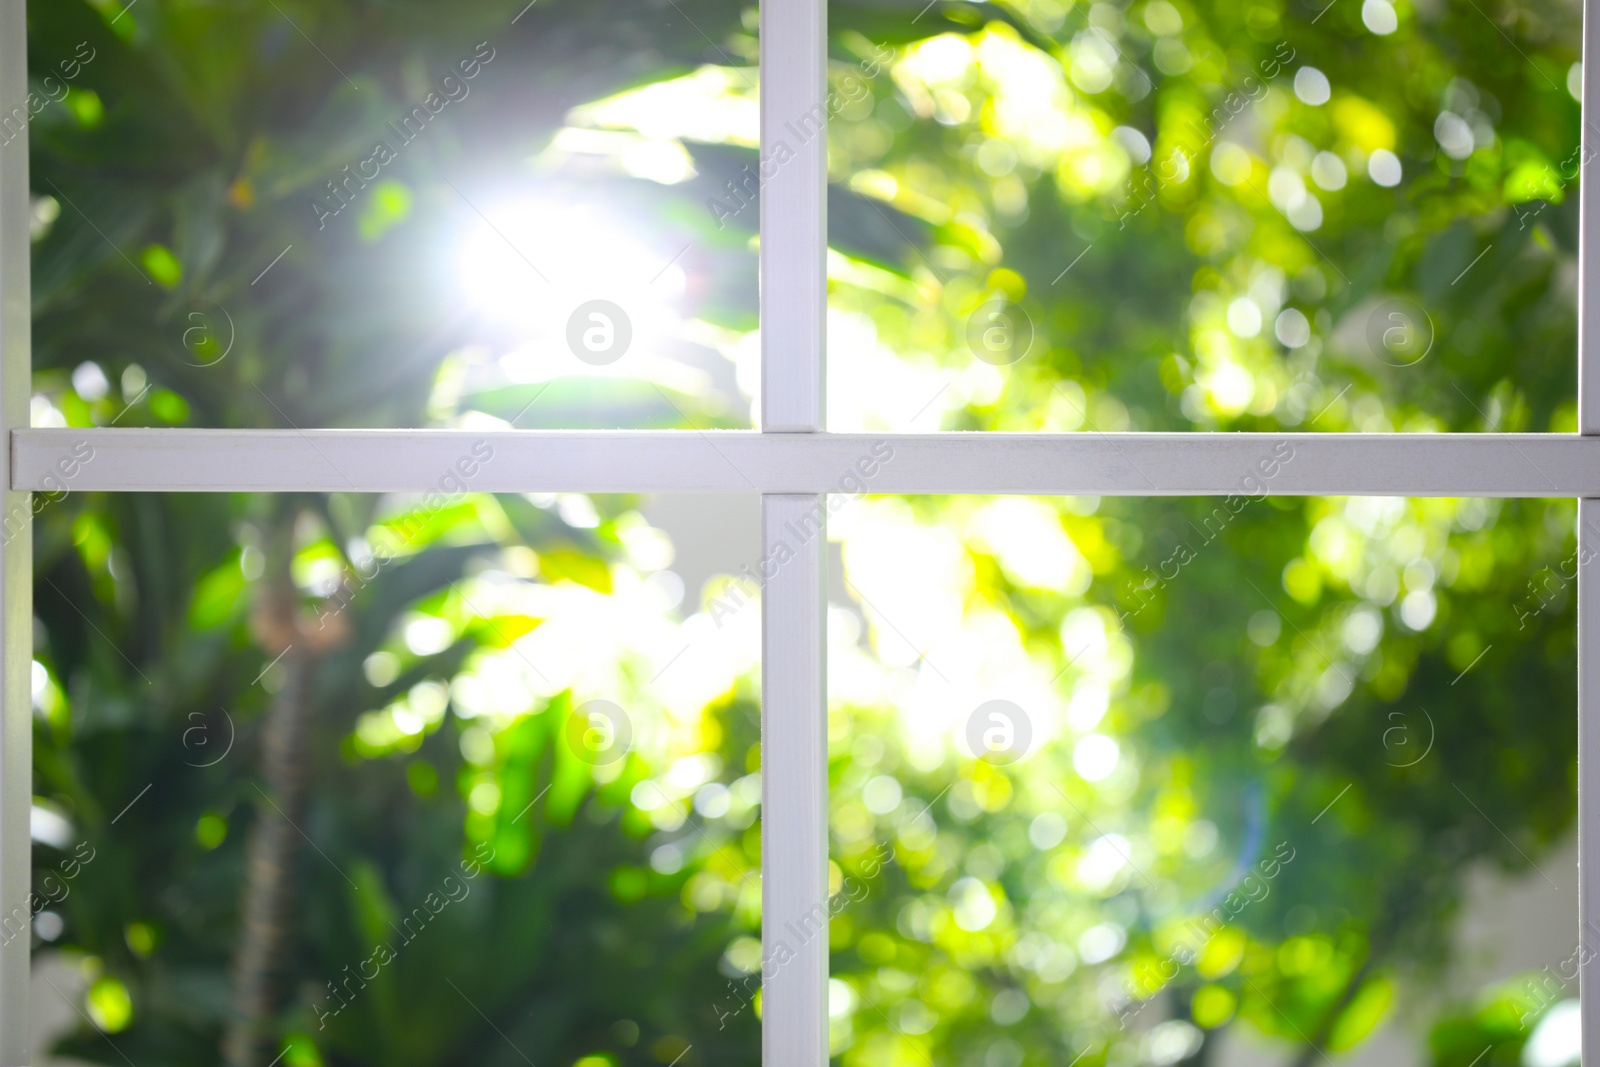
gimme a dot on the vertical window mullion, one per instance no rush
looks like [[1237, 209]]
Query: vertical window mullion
[[16, 557], [794, 783], [793, 170], [1588, 227], [1589, 773], [794, 734], [1588, 548]]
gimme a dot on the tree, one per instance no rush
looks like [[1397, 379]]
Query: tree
[[222, 241], [1218, 217]]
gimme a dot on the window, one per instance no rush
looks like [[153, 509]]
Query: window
[[804, 472]]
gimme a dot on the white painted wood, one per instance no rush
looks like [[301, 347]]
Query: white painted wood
[[1184, 464], [1589, 229], [794, 737], [16, 553], [793, 182], [1589, 545], [1589, 775], [794, 782]]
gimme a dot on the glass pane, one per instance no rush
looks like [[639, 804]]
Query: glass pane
[[1162, 782], [363, 780], [335, 215], [1158, 215]]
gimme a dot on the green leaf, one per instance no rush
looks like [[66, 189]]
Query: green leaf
[[1363, 1015], [217, 595]]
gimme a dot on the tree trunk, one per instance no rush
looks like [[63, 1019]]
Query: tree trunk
[[251, 1038]]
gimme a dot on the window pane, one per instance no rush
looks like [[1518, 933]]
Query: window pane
[[402, 780], [337, 215], [1164, 215], [1168, 782]]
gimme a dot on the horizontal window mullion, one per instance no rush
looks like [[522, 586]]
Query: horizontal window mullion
[[452, 461]]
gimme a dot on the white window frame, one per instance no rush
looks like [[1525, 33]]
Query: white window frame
[[793, 462]]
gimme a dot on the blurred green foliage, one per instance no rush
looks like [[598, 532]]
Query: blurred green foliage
[[1194, 232]]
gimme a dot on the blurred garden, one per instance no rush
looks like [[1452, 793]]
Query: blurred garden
[[340, 779]]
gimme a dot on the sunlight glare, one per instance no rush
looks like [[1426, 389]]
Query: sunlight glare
[[537, 266]]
